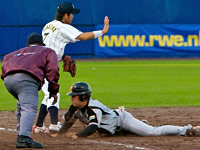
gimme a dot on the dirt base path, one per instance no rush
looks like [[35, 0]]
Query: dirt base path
[[156, 116]]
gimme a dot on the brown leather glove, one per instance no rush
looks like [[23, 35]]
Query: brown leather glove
[[69, 65]]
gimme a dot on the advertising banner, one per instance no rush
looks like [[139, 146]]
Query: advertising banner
[[149, 40]]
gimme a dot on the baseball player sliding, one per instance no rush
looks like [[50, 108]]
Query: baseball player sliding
[[56, 35], [100, 118]]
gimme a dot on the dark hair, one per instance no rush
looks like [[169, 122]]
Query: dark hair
[[35, 38], [59, 17]]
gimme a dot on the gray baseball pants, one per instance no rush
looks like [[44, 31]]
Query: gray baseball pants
[[135, 126], [25, 89]]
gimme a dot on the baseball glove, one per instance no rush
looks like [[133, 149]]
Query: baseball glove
[[69, 65]]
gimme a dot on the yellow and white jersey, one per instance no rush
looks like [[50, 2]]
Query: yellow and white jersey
[[57, 34]]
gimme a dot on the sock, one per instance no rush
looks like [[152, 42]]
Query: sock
[[42, 114], [53, 111]]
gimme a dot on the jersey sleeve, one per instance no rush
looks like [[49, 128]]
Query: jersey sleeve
[[70, 32], [87, 131], [94, 116], [69, 119], [70, 113], [52, 72]]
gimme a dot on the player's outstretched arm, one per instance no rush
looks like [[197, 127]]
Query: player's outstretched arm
[[95, 34], [106, 25]]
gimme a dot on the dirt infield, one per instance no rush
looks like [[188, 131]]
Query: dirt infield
[[155, 116]]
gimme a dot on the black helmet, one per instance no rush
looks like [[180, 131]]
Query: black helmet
[[80, 88]]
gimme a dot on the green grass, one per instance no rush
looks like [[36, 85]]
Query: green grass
[[132, 84]]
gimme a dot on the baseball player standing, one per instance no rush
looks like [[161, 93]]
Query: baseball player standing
[[100, 118], [23, 72], [56, 35]]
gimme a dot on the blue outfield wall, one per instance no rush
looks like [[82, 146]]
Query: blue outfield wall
[[13, 38], [130, 21], [39, 12]]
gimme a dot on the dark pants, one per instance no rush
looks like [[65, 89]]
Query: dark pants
[[25, 89]]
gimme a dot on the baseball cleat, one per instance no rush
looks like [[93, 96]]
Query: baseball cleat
[[55, 127], [194, 131], [37, 129]]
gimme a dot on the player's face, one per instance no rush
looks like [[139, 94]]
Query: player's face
[[68, 19], [76, 102], [71, 16]]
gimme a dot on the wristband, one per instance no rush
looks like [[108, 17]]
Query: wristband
[[97, 33]]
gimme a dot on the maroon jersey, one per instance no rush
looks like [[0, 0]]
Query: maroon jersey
[[38, 61]]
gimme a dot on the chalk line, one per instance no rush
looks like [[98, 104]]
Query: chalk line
[[117, 144], [10, 130], [97, 142]]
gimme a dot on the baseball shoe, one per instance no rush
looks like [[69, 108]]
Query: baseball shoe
[[36, 129], [27, 142], [193, 131], [55, 127]]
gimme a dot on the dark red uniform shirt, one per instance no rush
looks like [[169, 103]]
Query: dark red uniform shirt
[[38, 61]]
